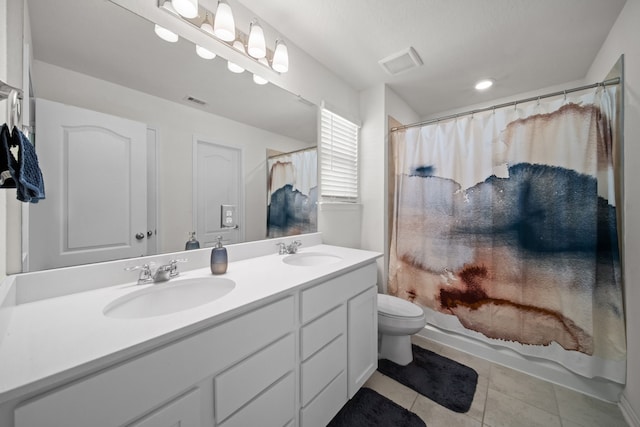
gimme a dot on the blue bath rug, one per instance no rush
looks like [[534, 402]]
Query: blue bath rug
[[445, 381], [370, 409]]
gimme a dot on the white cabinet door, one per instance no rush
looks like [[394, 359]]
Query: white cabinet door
[[182, 412], [362, 332], [95, 174]]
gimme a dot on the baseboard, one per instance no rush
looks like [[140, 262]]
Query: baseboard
[[630, 415]]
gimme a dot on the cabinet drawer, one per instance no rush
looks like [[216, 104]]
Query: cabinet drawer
[[247, 379], [121, 393], [322, 367], [273, 408], [326, 405], [323, 297], [184, 412], [321, 331]]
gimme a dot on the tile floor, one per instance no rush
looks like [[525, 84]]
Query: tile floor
[[504, 398]]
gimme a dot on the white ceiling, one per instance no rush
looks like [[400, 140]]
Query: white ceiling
[[523, 44]]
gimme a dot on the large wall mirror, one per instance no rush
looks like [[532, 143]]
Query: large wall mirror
[[98, 57]]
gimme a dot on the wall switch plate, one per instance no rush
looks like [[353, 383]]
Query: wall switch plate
[[228, 216]]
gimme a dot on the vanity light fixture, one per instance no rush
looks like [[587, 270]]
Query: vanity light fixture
[[221, 28], [280, 61], [232, 66], [256, 46], [484, 84], [207, 28], [165, 34], [186, 8], [259, 80], [224, 27]]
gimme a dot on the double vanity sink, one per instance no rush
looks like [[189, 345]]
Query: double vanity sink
[[129, 354], [182, 294]]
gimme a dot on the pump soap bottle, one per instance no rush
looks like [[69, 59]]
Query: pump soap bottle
[[219, 258], [192, 243]]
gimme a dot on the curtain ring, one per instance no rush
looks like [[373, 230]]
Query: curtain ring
[[538, 101], [565, 94]]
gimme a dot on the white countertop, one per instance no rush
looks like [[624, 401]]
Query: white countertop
[[50, 341]]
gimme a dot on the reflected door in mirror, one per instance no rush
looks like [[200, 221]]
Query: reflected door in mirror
[[217, 183], [94, 167]]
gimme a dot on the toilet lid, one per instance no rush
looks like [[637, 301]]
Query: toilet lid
[[396, 307]]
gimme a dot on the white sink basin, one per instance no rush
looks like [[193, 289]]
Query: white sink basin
[[169, 297], [309, 259]]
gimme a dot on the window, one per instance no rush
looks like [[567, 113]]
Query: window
[[338, 158]]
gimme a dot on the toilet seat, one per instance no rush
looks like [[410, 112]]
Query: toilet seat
[[394, 307]]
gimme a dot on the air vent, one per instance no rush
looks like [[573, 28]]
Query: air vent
[[401, 61], [195, 100]]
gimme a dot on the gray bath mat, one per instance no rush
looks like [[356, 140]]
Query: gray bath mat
[[445, 381], [370, 409]]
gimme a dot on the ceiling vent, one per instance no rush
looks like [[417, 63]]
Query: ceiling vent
[[401, 61], [194, 100]]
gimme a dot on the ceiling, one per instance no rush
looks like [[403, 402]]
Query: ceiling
[[523, 44]]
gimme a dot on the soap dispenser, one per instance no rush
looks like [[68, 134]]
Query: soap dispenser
[[192, 243], [219, 258]]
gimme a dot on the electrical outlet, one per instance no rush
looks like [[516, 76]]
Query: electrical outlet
[[228, 216]]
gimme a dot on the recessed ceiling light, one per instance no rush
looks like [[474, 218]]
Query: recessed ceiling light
[[484, 84]]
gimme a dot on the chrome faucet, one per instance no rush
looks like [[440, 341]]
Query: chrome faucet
[[161, 274], [291, 248]]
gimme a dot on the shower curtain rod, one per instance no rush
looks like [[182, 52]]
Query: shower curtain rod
[[609, 82]]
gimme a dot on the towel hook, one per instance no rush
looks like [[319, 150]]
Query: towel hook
[[13, 112]]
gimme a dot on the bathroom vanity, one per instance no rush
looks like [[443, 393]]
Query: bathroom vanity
[[288, 345]]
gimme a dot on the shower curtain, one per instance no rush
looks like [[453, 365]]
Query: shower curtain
[[292, 193], [503, 227]]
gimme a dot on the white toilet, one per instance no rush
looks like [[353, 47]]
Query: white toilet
[[398, 319]]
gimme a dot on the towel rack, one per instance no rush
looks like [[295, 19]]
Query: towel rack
[[14, 97]]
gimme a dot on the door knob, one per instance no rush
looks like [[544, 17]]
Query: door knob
[[140, 236]]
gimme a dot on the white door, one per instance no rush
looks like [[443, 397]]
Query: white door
[[217, 182], [94, 168]]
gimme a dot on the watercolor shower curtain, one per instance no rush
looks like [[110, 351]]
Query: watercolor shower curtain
[[504, 229], [292, 193]]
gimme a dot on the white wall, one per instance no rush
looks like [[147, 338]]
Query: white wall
[[623, 39], [12, 45], [376, 104], [373, 171], [176, 125]]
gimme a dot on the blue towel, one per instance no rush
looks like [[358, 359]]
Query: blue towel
[[25, 171], [29, 182]]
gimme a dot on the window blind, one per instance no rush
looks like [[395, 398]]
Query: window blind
[[338, 158]]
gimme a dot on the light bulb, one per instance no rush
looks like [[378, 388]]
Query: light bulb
[[258, 79], [207, 28], [204, 53], [186, 8], [165, 34], [256, 45], [280, 61], [223, 25], [232, 66]]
